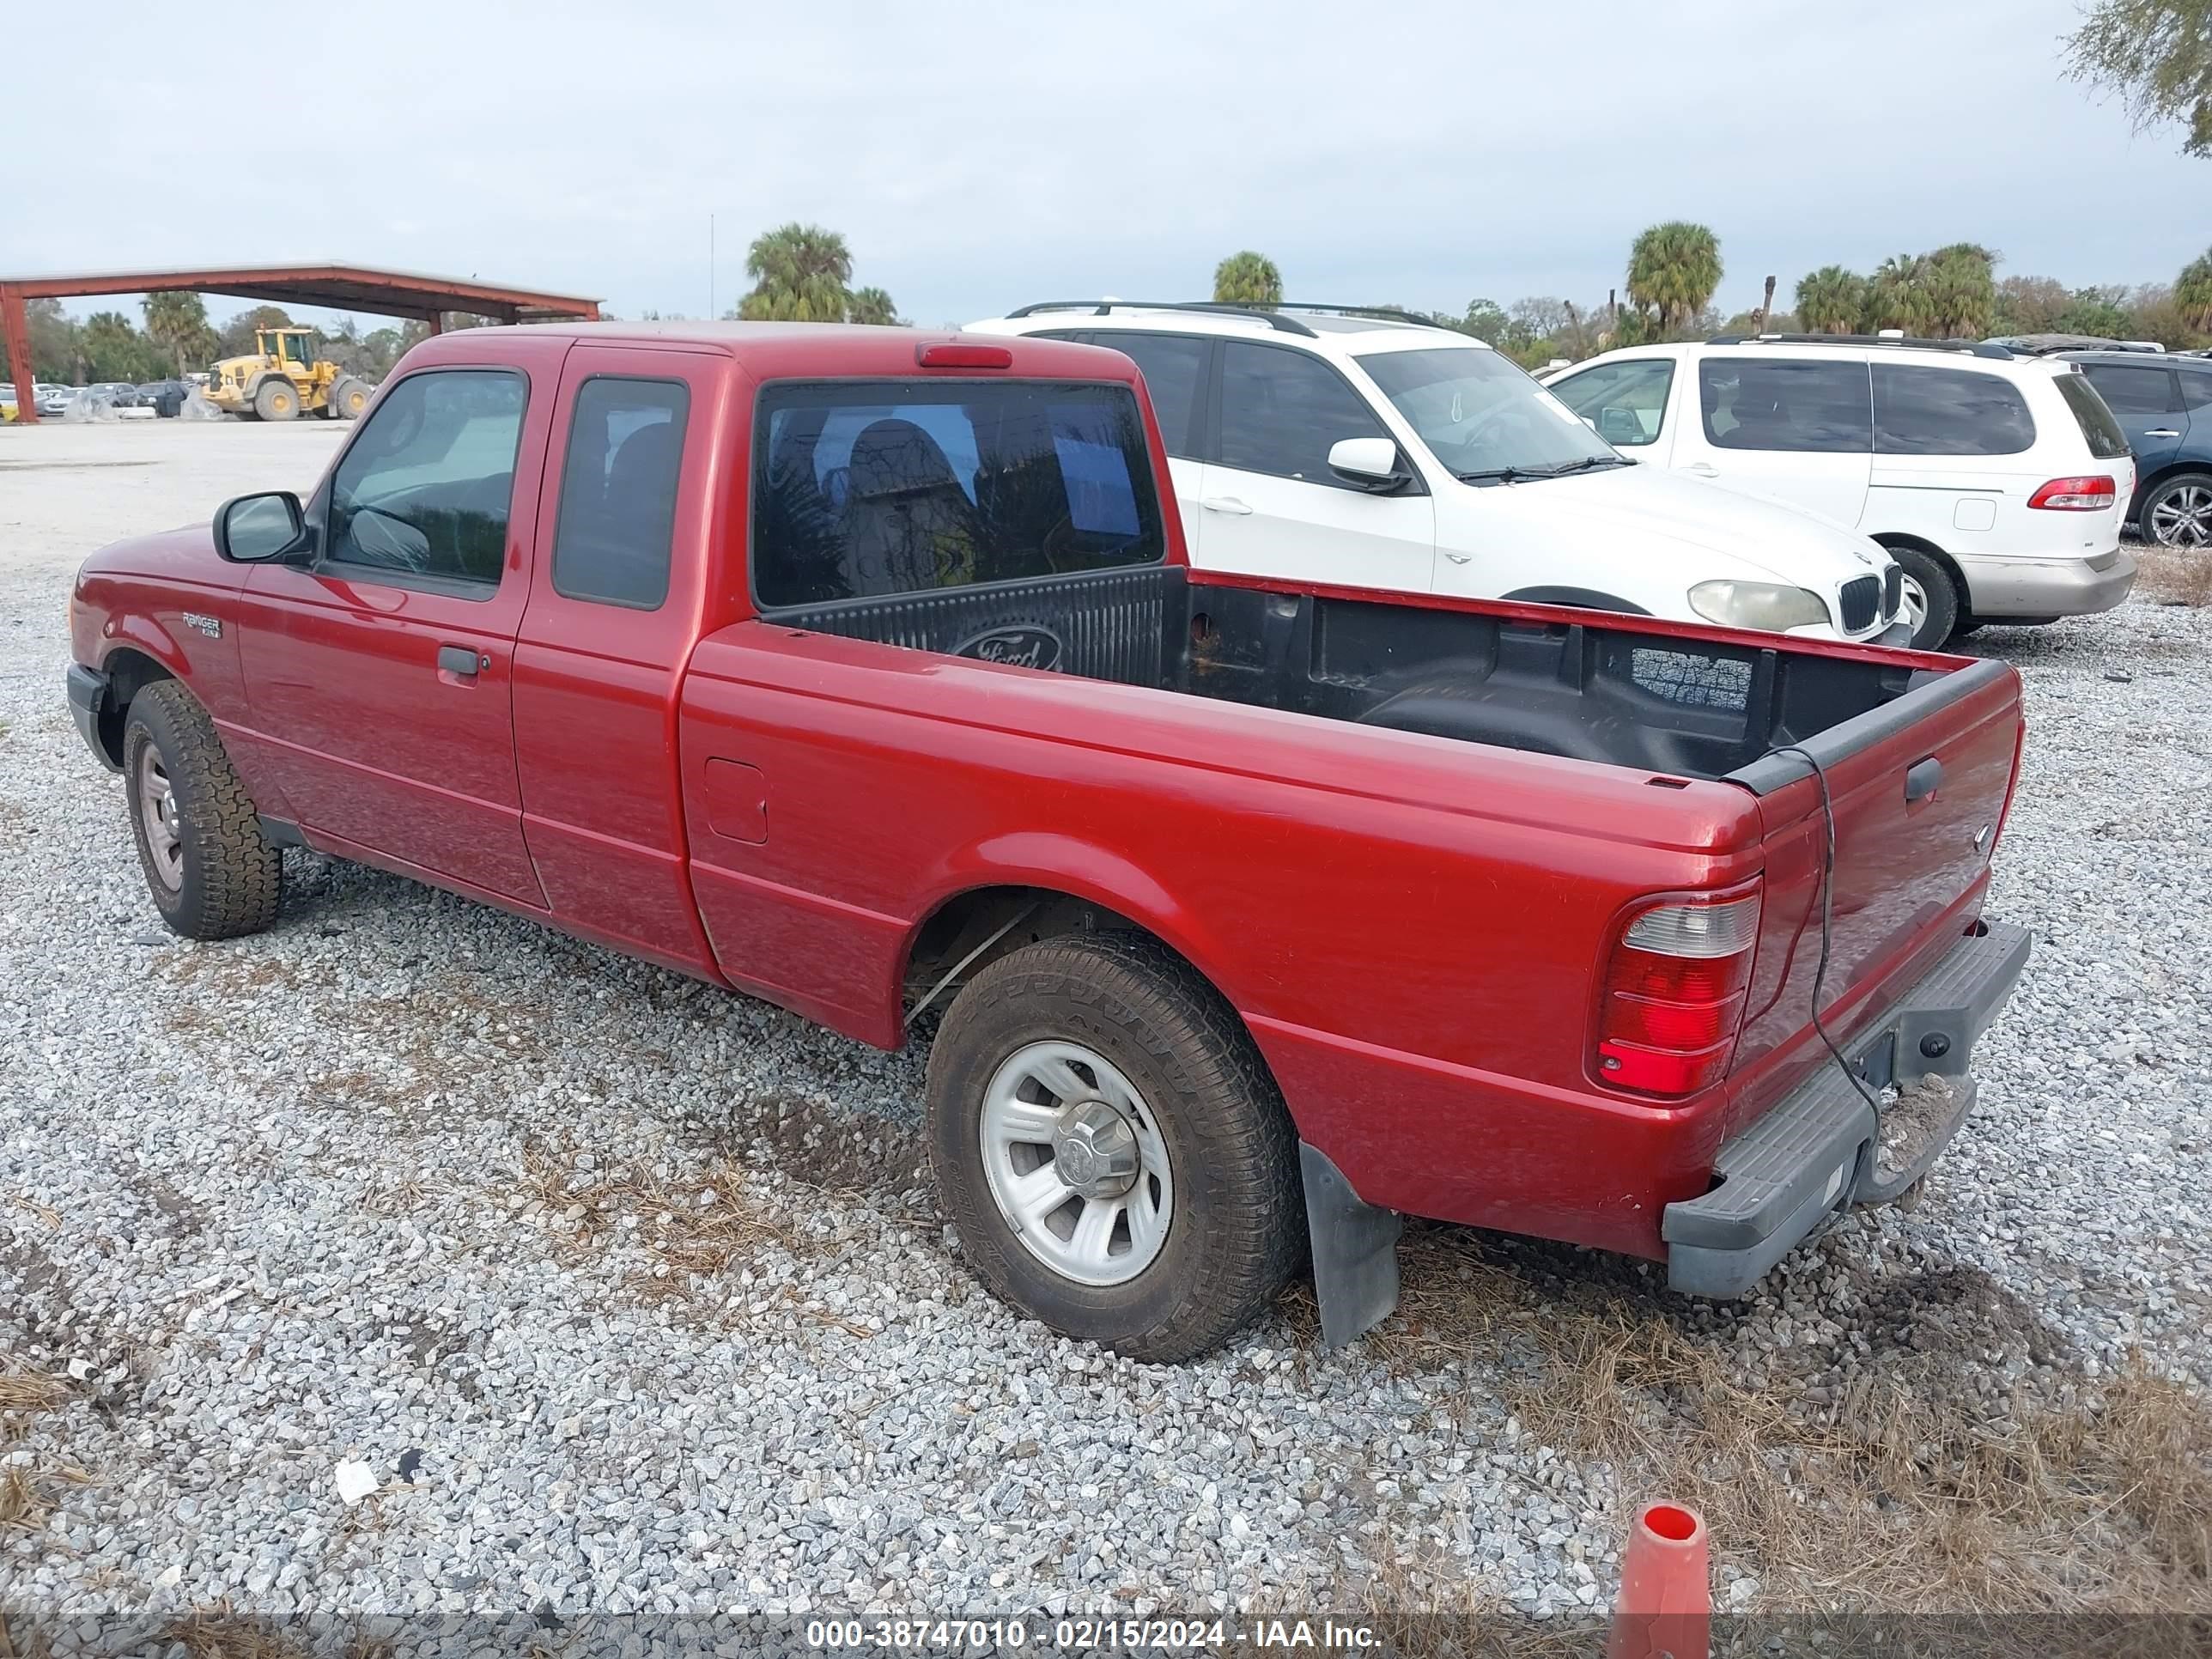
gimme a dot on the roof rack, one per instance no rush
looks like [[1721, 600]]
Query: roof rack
[[1395, 313], [1273, 320], [1977, 348]]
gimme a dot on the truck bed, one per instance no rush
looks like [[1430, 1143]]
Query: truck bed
[[1658, 702]]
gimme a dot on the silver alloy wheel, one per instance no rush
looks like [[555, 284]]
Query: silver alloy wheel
[[1912, 602], [2183, 517], [158, 816], [1076, 1163]]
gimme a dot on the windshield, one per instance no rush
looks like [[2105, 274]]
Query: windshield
[[1483, 418]]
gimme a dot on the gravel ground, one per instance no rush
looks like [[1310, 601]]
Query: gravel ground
[[412, 1184]]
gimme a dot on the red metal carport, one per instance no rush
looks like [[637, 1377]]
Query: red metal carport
[[334, 287]]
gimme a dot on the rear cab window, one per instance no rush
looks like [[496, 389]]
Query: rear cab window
[[865, 489], [1786, 403]]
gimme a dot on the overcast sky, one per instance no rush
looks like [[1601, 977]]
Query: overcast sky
[[978, 156]]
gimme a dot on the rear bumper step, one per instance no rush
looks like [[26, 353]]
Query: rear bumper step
[[1823, 1148]]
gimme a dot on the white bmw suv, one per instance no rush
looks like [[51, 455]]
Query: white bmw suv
[[1369, 450]]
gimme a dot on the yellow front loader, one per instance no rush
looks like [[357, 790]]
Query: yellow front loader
[[284, 379]]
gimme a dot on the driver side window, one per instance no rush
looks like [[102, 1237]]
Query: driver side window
[[1282, 410], [1626, 402], [427, 487]]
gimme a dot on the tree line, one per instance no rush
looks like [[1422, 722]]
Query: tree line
[[1675, 270]]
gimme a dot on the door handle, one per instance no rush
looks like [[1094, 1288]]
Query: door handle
[[461, 661], [1923, 779], [2162, 432], [1703, 469], [1224, 504]]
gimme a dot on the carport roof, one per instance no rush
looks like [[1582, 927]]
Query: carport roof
[[332, 284]]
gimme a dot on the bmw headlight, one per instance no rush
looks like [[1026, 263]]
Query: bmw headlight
[[1758, 604]]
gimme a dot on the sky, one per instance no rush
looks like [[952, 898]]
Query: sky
[[978, 156]]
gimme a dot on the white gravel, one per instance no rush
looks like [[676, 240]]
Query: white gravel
[[273, 1206]]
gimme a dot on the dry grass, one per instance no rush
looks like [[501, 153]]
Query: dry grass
[[2172, 577], [1909, 1494], [698, 1227], [31, 1391]]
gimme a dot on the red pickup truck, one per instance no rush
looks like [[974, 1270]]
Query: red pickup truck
[[860, 670]]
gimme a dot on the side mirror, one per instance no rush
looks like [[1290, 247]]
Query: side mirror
[[1620, 426], [1372, 463], [259, 529]]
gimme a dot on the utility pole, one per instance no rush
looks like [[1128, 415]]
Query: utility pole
[[711, 312], [1766, 307]]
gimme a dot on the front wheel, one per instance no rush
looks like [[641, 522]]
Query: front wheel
[[212, 872], [349, 397], [1929, 599], [1111, 1148], [2178, 513], [277, 400]]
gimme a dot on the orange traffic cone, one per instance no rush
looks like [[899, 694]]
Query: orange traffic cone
[[1666, 1606]]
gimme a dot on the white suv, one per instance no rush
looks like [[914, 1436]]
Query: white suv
[[1999, 482], [1313, 445]]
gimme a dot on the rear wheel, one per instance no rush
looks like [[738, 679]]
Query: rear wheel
[[2178, 513], [1928, 598], [276, 399], [1109, 1143], [212, 872]]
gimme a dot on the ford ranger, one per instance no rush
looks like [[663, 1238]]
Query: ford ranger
[[861, 669]]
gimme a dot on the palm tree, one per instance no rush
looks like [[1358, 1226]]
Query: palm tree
[[2192, 291], [871, 305], [1962, 291], [1898, 295], [1831, 300], [179, 324], [1248, 279], [800, 274], [1673, 270]]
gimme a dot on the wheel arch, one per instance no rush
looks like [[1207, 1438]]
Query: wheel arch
[[129, 670], [1897, 539], [1582, 598], [2160, 479]]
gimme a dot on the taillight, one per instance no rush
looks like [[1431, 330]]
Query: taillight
[[1674, 988], [2076, 494]]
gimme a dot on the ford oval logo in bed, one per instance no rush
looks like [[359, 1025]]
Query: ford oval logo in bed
[[1027, 645]]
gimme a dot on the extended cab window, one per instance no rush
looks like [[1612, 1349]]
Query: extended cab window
[[1947, 412], [1625, 402], [426, 487], [1752, 403], [1282, 412], [618, 491], [862, 489]]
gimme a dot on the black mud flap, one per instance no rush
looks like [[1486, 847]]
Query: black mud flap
[[1355, 1251]]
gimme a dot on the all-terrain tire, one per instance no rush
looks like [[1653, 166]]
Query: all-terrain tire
[[1945, 603], [1237, 1229], [276, 399], [349, 397], [232, 877]]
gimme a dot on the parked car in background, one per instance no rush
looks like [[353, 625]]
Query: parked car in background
[[2165, 407], [1373, 449], [1248, 915], [54, 400], [164, 398], [1999, 482], [122, 393]]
